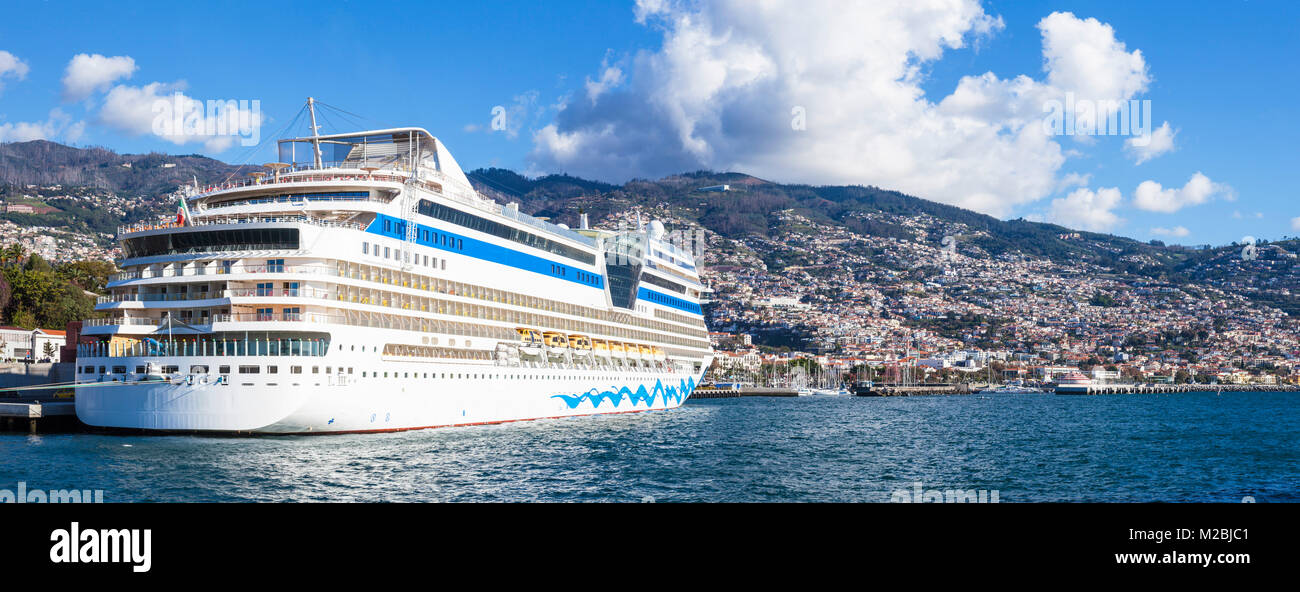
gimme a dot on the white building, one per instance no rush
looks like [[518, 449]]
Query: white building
[[21, 344]]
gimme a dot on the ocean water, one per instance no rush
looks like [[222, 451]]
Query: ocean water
[[1028, 448]]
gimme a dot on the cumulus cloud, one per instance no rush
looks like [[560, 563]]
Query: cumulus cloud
[[1295, 223], [1153, 197], [1085, 209], [11, 67], [830, 92], [58, 126], [1177, 231], [610, 77], [1144, 148], [1083, 56], [87, 73], [153, 109]]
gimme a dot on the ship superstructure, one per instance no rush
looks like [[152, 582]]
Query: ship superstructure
[[362, 284]]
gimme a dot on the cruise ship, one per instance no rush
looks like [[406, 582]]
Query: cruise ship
[[363, 285]]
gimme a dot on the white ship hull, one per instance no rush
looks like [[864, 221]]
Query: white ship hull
[[381, 292], [331, 404]]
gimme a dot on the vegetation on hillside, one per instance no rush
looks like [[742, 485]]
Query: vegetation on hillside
[[35, 294]]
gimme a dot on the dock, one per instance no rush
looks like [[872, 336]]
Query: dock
[[1136, 389], [34, 398], [894, 390], [37, 416], [748, 391]]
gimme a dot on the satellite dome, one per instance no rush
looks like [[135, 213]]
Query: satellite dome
[[656, 230]]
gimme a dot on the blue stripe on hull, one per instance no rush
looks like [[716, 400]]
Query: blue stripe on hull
[[486, 251]]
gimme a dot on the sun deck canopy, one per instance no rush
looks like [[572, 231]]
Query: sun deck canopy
[[393, 149]]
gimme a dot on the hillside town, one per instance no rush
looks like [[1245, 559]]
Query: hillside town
[[867, 307]]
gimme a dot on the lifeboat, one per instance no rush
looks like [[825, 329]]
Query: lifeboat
[[580, 345], [530, 342], [617, 351], [601, 348], [658, 354], [633, 351], [556, 343]]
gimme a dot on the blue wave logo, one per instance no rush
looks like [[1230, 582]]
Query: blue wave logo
[[676, 394]]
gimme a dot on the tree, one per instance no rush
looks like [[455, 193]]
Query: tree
[[49, 350]]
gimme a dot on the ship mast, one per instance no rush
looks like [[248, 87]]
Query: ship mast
[[315, 132]]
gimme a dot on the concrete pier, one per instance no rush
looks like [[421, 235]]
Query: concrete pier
[[894, 390], [1135, 389]]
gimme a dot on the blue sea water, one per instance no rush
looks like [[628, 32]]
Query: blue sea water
[[1197, 447]]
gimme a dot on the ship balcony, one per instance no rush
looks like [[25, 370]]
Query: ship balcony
[[218, 322], [232, 220], [228, 273]]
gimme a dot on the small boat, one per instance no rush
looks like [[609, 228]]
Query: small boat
[[580, 345], [601, 348], [557, 345], [805, 392], [530, 342]]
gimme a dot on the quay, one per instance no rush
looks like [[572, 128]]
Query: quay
[[1134, 389], [895, 390], [33, 401], [748, 391]]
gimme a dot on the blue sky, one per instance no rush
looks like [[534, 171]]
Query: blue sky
[[613, 90]]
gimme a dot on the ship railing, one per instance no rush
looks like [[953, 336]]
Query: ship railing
[[278, 293], [547, 226], [156, 297], [121, 321], [328, 171], [223, 270], [192, 345], [301, 317], [297, 201], [230, 220]]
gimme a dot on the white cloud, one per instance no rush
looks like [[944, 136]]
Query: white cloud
[[611, 76], [87, 73], [58, 126], [725, 90], [1177, 231], [12, 67], [1082, 56], [1144, 148], [1295, 223], [1085, 209], [142, 110], [1153, 197]]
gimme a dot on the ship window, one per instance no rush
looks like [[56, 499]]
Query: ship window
[[249, 369], [223, 370], [295, 369], [139, 369], [315, 369], [211, 241], [272, 369], [365, 248]]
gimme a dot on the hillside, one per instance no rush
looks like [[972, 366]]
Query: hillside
[[46, 163]]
